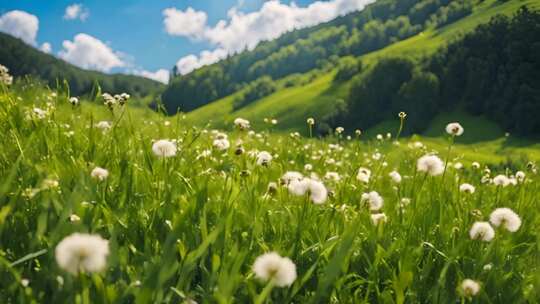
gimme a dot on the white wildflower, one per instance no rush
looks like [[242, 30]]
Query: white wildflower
[[467, 188], [482, 231], [164, 148], [363, 175], [469, 288], [395, 176], [275, 268], [506, 218], [378, 218], [221, 144], [374, 200], [82, 253], [264, 158], [501, 180], [242, 124], [99, 173], [454, 129], [103, 125], [430, 164]]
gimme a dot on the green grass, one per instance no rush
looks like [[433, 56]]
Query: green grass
[[292, 105], [190, 227]]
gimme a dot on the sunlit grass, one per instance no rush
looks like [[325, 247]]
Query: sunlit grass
[[190, 227]]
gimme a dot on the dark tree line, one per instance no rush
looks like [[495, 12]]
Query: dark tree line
[[492, 71], [378, 25], [22, 59]]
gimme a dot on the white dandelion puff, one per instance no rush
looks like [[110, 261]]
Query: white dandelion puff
[[501, 180], [82, 253], [506, 218], [275, 268], [290, 176], [363, 175], [315, 189], [221, 144], [395, 176], [374, 199], [378, 218], [431, 164], [164, 148], [482, 231], [242, 124], [103, 125], [99, 173], [264, 158], [469, 288], [454, 129], [467, 188]]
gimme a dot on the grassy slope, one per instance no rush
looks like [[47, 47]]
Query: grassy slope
[[292, 106]]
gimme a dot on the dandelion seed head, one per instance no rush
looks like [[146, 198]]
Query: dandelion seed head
[[363, 175], [273, 267], [482, 231], [242, 124], [506, 218], [501, 180], [467, 188], [431, 164], [454, 129], [378, 218], [264, 158], [221, 144], [374, 199], [395, 176], [82, 253], [99, 173], [164, 148], [469, 288]]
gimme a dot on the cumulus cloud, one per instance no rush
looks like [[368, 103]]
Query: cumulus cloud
[[20, 24], [90, 53], [189, 23], [76, 11], [191, 62], [246, 30], [160, 75], [45, 47]]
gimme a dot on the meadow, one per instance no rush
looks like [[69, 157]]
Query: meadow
[[103, 202]]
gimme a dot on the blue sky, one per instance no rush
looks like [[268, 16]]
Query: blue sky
[[137, 33]]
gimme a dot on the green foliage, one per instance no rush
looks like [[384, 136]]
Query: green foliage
[[22, 59], [378, 25], [259, 88], [496, 71], [190, 227], [492, 71], [348, 67]]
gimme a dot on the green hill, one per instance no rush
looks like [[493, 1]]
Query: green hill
[[22, 59], [291, 105]]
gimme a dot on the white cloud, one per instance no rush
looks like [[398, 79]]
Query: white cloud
[[190, 23], [161, 75], [246, 30], [20, 24], [191, 62], [46, 47], [90, 53], [76, 11]]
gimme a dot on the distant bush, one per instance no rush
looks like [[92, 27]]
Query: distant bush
[[258, 89], [348, 67]]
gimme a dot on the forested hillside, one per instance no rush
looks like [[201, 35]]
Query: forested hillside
[[320, 47], [22, 59], [493, 71]]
